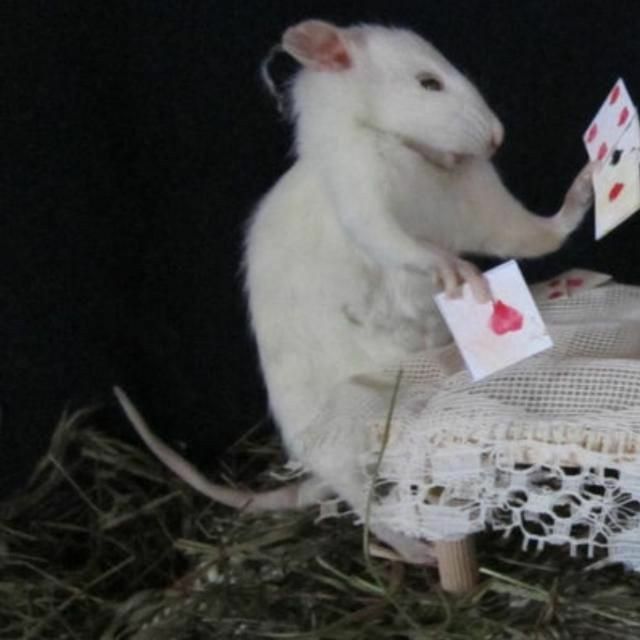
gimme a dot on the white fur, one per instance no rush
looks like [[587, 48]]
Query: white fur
[[342, 254]]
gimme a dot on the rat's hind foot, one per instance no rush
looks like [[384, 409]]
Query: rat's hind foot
[[410, 550]]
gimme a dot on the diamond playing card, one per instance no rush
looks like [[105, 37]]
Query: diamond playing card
[[610, 122], [617, 190], [568, 284], [497, 334], [613, 138]]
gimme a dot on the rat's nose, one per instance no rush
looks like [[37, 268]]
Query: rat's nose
[[497, 135]]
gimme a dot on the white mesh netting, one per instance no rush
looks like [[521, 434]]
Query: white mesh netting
[[550, 446]]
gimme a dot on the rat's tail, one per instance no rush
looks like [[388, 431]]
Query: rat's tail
[[287, 497]]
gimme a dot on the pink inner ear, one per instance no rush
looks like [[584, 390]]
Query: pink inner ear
[[332, 54], [317, 45]]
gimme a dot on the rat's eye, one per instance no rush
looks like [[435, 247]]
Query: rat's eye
[[430, 82]]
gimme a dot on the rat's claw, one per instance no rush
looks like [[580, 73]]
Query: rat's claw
[[478, 284], [446, 276], [451, 272]]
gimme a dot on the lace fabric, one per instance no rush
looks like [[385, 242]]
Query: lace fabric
[[549, 447]]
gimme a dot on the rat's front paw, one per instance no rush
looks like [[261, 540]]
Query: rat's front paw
[[578, 200], [450, 272]]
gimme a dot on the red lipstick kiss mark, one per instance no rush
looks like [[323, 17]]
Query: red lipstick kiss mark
[[602, 151], [573, 283], [615, 94], [623, 117], [505, 318], [592, 133], [616, 190], [554, 294]]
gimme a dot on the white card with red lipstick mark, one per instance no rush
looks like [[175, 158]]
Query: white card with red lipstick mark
[[497, 334], [613, 138], [606, 128]]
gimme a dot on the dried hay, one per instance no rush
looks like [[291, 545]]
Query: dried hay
[[106, 544]]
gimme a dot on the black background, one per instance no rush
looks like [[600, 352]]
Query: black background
[[136, 139]]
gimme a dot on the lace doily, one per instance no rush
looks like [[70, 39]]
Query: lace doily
[[549, 447]]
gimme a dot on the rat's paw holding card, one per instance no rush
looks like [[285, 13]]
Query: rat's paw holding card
[[577, 201], [450, 272], [494, 335]]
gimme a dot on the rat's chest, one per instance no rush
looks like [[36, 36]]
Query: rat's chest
[[426, 201]]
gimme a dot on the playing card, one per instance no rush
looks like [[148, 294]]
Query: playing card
[[630, 138], [553, 289], [606, 128], [494, 335], [617, 183], [568, 284]]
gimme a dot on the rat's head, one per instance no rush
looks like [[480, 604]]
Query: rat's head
[[397, 83]]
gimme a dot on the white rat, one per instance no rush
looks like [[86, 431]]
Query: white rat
[[392, 182]]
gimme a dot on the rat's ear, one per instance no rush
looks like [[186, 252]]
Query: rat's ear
[[318, 45]]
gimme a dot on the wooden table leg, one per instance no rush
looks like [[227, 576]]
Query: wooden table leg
[[457, 565]]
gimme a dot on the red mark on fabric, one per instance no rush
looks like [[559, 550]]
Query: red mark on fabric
[[602, 151], [554, 294], [592, 133], [615, 94], [623, 117], [575, 282], [616, 190], [505, 318]]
